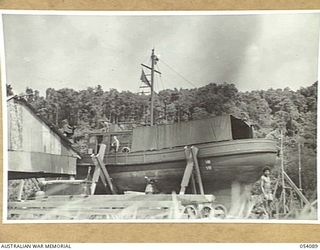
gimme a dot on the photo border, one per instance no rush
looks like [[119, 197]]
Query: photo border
[[147, 232]]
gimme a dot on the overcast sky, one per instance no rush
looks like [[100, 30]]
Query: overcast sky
[[251, 51]]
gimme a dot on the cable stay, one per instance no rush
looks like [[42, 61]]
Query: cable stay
[[181, 76]]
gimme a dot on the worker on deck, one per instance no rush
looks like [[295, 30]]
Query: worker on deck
[[66, 129], [105, 126], [115, 144], [266, 189]]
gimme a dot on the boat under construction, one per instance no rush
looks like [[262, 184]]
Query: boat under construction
[[226, 154]]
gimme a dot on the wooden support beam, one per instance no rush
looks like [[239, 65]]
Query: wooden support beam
[[64, 182], [235, 198], [95, 178], [191, 155], [193, 185], [195, 151], [188, 170], [101, 172], [283, 193], [298, 191], [106, 176], [20, 189], [98, 174], [36, 183], [97, 170]]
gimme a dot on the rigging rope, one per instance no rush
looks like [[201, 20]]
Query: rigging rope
[[160, 76], [193, 85]]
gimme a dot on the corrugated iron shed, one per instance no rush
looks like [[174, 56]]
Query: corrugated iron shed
[[36, 148]]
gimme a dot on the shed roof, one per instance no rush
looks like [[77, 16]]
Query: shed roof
[[64, 139]]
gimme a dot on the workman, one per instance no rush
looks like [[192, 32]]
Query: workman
[[266, 189], [115, 144]]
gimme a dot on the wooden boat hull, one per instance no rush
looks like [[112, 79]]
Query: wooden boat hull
[[221, 164]]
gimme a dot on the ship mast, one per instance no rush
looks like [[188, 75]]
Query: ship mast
[[154, 60], [151, 88]]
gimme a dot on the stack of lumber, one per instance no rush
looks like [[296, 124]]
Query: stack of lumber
[[95, 207]]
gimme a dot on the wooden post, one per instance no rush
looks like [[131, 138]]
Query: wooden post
[[88, 173], [97, 174], [282, 175], [195, 151], [97, 170], [299, 154], [188, 170], [95, 178], [20, 190], [235, 198], [193, 185], [106, 175], [57, 115], [35, 182], [300, 180]]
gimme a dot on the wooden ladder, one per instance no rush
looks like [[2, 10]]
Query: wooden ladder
[[192, 168], [100, 171]]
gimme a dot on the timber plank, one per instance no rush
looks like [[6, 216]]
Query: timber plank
[[90, 214], [188, 170], [104, 206], [90, 204], [78, 211], [121, 197], [56, 211]]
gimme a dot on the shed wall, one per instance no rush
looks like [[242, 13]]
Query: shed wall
[[33, 146]]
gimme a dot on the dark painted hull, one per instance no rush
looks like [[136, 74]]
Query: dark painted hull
[[221, 163]]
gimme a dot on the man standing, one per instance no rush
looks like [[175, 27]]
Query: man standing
[[115, 144], [266, 189]]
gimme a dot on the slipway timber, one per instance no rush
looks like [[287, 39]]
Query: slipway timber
[[106, 207]]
